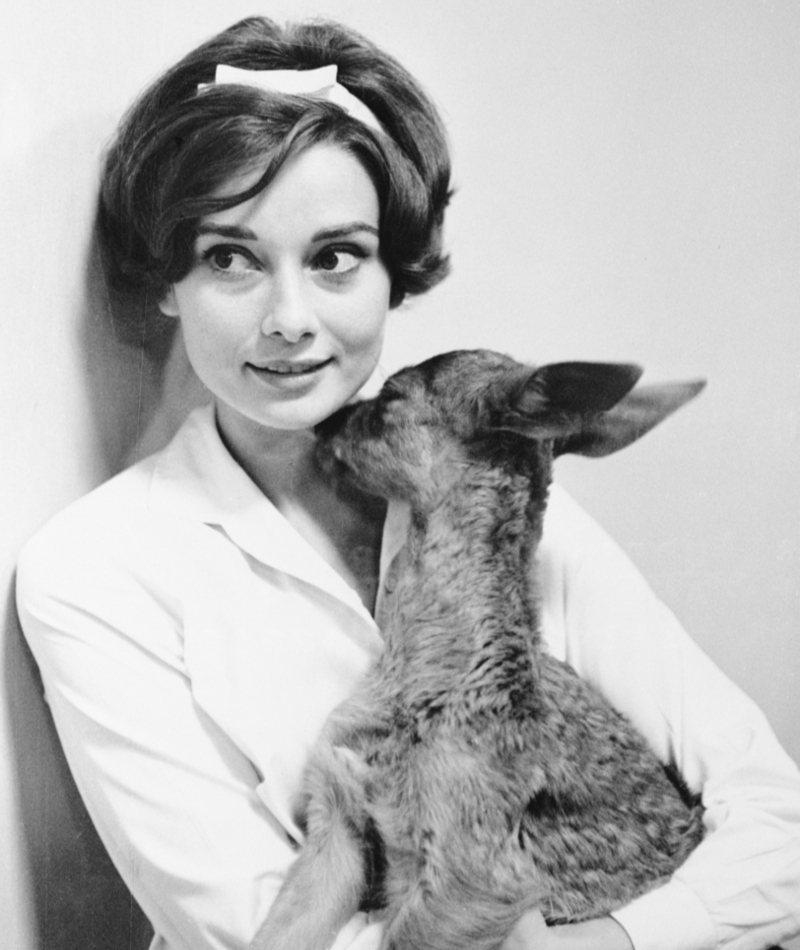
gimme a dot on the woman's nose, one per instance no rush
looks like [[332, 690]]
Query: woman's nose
[[288, 312]]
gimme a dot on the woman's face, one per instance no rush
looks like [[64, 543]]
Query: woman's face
[[283, 311]]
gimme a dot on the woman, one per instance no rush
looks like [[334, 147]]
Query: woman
[[196, 618]]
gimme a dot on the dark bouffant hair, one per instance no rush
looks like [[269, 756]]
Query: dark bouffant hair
[[176, 148]]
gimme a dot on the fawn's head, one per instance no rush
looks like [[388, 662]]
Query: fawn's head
[[476, 407]]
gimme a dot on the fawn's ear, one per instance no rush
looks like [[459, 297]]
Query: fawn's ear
[[590, 408], [631, 418], [569, 388]]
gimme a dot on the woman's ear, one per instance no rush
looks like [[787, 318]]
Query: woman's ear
[[168, 305]]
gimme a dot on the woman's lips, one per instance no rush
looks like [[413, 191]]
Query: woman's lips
[[291, 367]]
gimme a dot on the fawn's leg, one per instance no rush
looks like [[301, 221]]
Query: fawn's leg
[[325, 885]]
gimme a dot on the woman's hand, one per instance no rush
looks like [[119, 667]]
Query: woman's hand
[[532, 933]]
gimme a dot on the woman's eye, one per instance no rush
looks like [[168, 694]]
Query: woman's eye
[[338, 261], [229, 261]]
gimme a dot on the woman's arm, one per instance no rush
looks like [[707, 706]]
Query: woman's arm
[[532, 933], [174, 799], [174, 803], [741, 887]]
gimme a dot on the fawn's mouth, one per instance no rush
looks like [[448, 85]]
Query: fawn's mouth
[[345, 427]]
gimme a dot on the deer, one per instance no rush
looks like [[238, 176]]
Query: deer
[[472, 776]]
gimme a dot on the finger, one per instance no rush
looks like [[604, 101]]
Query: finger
[[529, 932]]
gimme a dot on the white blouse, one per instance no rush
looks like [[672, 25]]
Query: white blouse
[[192, 644]]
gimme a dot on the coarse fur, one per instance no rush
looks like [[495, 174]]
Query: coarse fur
[[472, 776]]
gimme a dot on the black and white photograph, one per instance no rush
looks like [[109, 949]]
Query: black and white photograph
[[400, 415]]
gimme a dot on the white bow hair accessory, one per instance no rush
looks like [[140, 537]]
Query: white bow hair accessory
[[318, 83]]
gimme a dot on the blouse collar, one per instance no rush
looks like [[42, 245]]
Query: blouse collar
[[196, 477]]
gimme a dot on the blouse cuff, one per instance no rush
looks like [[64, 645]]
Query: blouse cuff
[[671, 917]]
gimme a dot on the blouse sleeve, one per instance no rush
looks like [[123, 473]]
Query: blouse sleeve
[[173, 798], [740, 889]]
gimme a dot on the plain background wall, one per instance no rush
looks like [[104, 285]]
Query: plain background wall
[[628, 188]]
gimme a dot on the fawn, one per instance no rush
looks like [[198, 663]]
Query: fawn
[[472, 776]]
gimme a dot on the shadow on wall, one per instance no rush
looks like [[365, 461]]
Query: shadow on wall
[[139, 387], [80, 902], [139, 383]]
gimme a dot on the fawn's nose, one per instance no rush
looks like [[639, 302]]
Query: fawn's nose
[[288, 312]]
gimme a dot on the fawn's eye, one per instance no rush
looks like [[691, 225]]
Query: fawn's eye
[[391, 391]]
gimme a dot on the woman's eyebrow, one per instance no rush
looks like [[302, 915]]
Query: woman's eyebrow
[[343, 230], [227, 230], [245, 234]]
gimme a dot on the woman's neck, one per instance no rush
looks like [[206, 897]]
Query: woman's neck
[[343, 528], [279, 461]]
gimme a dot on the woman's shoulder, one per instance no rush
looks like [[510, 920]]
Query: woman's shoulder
[[107, 511], [94, 542], [103, 571], [121, 515], [578, 558], [569, 531]]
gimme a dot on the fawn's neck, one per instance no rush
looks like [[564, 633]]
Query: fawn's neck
[[461, 625]]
